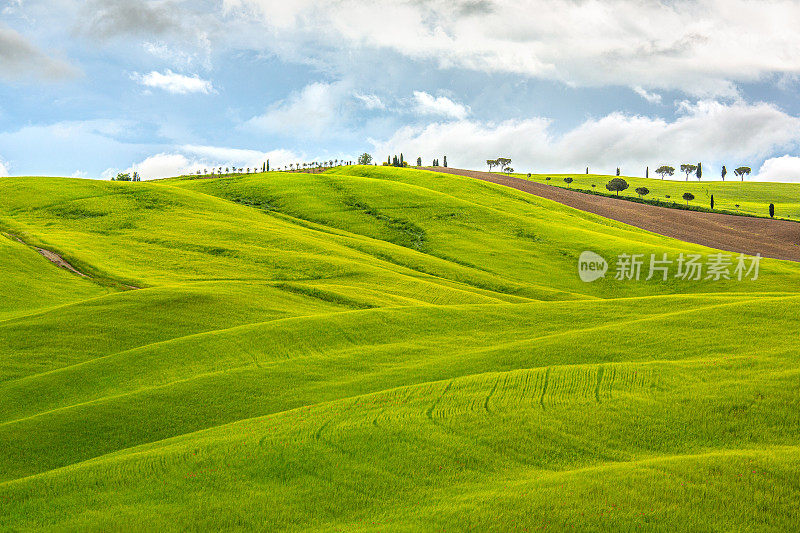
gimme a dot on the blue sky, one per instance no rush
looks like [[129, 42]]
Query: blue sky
[[94, 87]]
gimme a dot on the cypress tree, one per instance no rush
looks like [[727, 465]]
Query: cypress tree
[[771, 210], [445, 161], [712, 202], [647, 172], [699, 171], [617, 171]]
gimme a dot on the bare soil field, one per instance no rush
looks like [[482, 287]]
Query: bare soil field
[[778, 239]]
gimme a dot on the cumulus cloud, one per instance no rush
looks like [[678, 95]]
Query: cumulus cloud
[[309, 112], [426, 104], [3, 169], [223, 156], [708, 131], [785, 168], [189, 159], [173, 82], [20, 60], [702, 47]]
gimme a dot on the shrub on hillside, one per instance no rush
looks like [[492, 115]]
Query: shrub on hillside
[[616, 185]]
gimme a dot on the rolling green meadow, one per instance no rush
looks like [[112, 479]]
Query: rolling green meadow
[[382, 349], [753, 198]]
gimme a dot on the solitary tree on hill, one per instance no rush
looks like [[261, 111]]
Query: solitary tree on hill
[[617, 171], [647, 172], [642, 192], [771, 210], [419, 161], [445, 161], [688, 197], [364, 159], [665, 171], [568, 181], [712, 202], [742, 172], [699, 173], [688, 169], [724, 172], [616, 185]]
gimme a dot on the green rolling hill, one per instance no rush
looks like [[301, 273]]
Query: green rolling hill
[[378, 349]]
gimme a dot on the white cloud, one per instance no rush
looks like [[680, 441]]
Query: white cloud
[[785, 168], [370, 101], [68, 145], [309, 112], [221, 156], [188, 159], [709, 131], [165, 166], [174, 83], [653, 98], [426, 104], [3, 169], [699, 46]]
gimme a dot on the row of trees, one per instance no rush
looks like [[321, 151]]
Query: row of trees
[[291, 167], [618, 185], [395, 161], [697, 170], [127, 177], [688, 169]]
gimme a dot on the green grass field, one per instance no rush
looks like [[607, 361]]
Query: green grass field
[[373, 349], [752, 198]]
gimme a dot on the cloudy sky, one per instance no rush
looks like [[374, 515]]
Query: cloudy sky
[[88, 88]]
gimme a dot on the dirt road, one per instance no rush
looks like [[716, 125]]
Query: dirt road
[[779, 239]]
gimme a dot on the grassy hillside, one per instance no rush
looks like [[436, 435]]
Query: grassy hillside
[[378, 349], [752, 198]]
